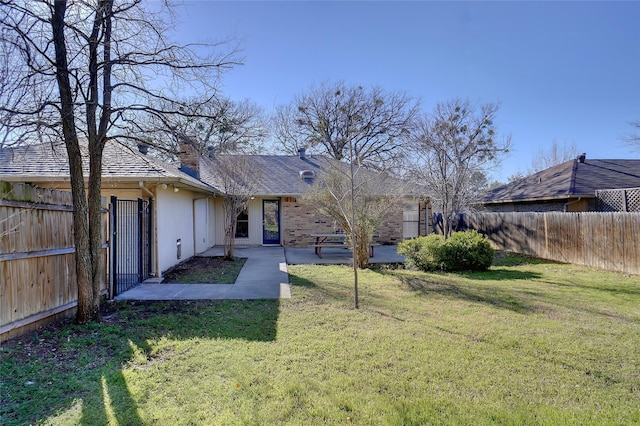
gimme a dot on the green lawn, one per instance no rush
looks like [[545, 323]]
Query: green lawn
[[527, 342]]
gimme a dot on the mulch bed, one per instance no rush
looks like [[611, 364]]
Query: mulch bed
[[205, 270]]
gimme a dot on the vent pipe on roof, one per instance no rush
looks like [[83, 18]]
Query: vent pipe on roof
[[143, 148], [582, 157], [302, 152]]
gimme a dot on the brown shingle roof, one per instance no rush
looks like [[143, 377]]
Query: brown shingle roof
[[46, 162], [569, 179], [279, 175]]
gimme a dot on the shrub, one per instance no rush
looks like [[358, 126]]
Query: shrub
[[466, 251], [463, 251], [422, 252]]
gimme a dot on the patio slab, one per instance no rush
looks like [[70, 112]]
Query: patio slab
[[339, 256], [264, 275]]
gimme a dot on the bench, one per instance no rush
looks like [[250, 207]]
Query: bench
[[318, 247]]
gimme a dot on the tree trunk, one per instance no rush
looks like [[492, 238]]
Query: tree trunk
[[230, 220], [83, 259], [363, 240], [95, 227], [229, 241], [85, 312]]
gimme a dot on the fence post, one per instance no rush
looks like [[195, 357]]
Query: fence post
[[149, 235], [114, 245], [140, 239]]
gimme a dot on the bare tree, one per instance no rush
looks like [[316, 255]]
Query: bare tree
[[218, 124], [238, 182], [357, 198], [555, 154], [452, 150], [334, 118], [632, 139], [87, 72]]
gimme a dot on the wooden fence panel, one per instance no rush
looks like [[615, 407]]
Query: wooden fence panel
[[609, 241], [37, 260]]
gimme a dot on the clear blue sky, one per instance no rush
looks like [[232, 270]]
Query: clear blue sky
[[567, 71]]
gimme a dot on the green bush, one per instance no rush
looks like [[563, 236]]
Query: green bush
[[463, 251], [466, 251], [422, 252]]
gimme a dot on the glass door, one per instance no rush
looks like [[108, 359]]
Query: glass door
[[270, 222]]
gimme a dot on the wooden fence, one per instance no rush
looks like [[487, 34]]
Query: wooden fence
[[609, 241], [37, 263]]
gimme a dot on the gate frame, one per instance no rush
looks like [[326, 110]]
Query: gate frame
[[144, 243]]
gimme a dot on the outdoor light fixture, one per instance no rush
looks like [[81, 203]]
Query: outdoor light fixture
[[175, 189], [163, 186]]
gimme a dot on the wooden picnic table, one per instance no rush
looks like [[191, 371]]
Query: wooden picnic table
[[337, 240]]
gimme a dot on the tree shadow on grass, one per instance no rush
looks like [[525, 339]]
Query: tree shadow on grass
[[296, 280], [81, 367], [491, 295], [615, 289], [501, 274]]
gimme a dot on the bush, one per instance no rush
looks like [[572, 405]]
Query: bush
[[466, 251], [463, 251], [422, 252]]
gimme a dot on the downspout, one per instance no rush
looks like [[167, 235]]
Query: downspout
[[566, 205]]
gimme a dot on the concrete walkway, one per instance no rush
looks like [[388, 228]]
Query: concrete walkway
[[264, 276]]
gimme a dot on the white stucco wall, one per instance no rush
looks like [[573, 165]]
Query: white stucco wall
[[255, 223], [174, 221]]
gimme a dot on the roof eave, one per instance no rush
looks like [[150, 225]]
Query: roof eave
[[537, 199]]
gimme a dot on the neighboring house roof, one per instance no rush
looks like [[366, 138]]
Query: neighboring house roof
[[48, 162], [280, 175], [575, 178]]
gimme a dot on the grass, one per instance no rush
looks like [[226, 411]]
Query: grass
[[528, 342]]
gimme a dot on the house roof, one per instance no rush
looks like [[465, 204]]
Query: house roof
[[275, 175], [280, 175], [570, 179], [48, 162]]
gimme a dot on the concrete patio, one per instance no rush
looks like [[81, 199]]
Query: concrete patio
[[263, 276], [339, 256]]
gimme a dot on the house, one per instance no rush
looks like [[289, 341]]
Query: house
[[185, 214], [276, 215], [569, 187], [177, 204]]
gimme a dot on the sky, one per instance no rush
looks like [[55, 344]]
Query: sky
[[563, 71]]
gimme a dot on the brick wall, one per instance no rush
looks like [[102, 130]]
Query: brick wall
[[390, 229], [548, 206], [300, 221]]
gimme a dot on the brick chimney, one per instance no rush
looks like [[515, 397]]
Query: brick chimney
[[302, 153], [189, 156]]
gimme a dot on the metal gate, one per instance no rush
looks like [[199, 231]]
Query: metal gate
[[130, 243]]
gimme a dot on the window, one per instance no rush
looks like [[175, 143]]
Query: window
[[242, 226]]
